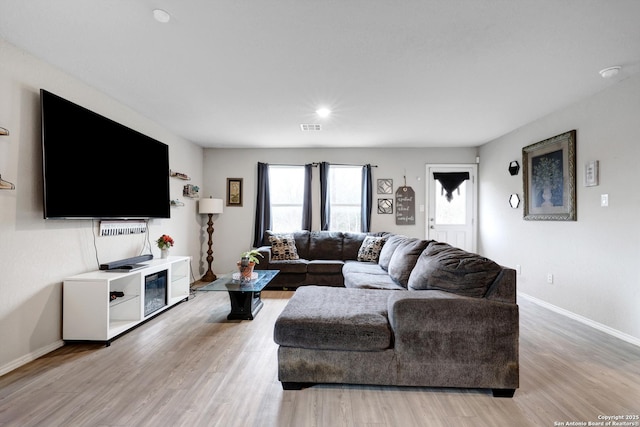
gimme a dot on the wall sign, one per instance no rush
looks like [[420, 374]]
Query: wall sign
[[405, 206]]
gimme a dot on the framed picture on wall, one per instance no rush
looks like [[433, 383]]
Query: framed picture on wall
[[550, 179], [234, 191]]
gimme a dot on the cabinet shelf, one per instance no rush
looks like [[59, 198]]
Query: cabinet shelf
[[122, 300]]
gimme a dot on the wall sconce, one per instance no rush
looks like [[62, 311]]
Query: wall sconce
[[4, 132], [514, 168]]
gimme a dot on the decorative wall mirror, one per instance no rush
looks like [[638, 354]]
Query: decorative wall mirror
[[514, 168], [514, 201]]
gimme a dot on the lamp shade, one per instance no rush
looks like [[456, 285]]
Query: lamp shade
[[211, 206]]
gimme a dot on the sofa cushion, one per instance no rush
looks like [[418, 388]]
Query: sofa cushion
[[444, 267], [367, 275], [357, 267], [298, 266], [283, 247], [370, 249], [389, 248], [325, 245], [317, 266], [301, 237], [404, 259], [320, 317], [351, 243]]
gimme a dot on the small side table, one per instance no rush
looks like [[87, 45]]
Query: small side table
[[244, 295]]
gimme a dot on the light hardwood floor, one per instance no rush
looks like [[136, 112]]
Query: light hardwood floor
[[192, 367]]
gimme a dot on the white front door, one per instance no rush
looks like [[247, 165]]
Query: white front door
[[452, 209]]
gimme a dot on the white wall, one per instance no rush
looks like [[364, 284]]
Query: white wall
[[595, 259], [36, 254], [234, 228]]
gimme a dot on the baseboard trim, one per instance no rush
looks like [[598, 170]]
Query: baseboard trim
[[592, 323], [30, 357]]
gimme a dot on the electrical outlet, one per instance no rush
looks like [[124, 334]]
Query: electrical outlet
[[518, 269], [550, 278], [604, 200]]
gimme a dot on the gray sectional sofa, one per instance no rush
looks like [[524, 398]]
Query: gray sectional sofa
[[318, 259], [422, 313]]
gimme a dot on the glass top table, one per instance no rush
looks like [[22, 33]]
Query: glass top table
[[243, 294]]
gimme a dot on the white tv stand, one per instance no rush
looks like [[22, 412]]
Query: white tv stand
[[89, 314]]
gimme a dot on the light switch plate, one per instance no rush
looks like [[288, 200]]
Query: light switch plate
[[604, 200]]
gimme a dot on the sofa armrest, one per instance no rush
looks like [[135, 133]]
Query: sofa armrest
[[440, 327], [265, 251]]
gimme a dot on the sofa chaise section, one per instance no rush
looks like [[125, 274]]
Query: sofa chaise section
[[368, 336]]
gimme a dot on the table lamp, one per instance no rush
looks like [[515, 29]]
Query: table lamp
[[209, 207]]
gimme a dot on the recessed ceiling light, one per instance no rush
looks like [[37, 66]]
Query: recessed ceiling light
[[161, 15], [323, 112], [607, 73]]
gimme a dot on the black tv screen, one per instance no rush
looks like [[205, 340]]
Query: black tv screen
[[94, 167]]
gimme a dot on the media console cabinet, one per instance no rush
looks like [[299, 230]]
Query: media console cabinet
[[100, 305]]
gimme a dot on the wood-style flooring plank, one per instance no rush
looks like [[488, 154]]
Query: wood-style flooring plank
[[192, 367]]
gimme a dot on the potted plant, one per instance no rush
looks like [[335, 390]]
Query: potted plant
[[247, 261]]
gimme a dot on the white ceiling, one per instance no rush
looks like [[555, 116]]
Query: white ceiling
[[396, 73]]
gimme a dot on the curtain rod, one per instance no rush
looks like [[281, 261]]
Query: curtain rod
[[285, 164], [316, 164], [345, 164]]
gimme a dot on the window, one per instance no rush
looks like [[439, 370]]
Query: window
[[454, 211], [345, 192], [286, 191]]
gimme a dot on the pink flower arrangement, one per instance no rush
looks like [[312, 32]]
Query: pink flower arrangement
[[165, 241]]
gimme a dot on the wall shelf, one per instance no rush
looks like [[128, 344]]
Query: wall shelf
[[179, 175], [6, 185], [191, 191]]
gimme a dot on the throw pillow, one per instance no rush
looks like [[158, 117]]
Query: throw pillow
[[283, 247], [370, 249]]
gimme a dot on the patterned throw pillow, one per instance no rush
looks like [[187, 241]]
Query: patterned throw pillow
[[283, 247], [370, 249]]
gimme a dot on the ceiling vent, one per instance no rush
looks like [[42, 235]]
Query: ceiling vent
[[310, 127]]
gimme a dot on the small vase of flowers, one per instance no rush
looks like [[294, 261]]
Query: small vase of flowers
[[164, 242]]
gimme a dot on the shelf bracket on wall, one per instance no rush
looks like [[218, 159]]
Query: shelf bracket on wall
[[6, 185]]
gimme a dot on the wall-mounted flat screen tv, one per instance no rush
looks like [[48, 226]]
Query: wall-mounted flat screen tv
[[96, 168]]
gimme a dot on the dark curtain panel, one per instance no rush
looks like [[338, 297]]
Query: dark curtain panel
[[450, 181], [263, 205], [306, 203], [367, 198], [325, 205]]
